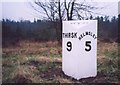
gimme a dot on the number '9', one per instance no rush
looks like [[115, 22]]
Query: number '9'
[[69, 46]]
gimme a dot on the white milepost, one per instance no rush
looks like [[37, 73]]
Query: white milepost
[[79, 48]]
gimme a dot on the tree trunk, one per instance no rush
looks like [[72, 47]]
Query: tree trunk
[[60, 28]]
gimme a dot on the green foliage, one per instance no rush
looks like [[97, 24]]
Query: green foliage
[[110, 67], [112, 54], [9, 64], [10, 58], [46, 67]]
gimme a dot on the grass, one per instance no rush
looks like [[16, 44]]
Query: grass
[[46, 67], [9, 64], [108, 62], [41, 62]]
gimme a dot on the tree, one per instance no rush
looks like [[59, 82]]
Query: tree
[[119, 28], [57, 11]]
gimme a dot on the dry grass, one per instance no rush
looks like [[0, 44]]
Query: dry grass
[[40, 62], [103, 47]]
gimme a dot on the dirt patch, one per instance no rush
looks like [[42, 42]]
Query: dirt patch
[[21, 79]]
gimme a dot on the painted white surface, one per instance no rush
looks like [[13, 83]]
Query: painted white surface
[[79, 63]]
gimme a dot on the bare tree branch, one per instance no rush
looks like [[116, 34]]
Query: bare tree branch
[[72, 8], [57, 11]]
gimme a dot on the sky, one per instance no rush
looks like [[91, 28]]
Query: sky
[[21, 9], [17, 10]]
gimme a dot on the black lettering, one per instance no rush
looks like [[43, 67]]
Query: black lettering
[[75, 35], [66, 34], [72, 35], [86, 33], [69, 35], [94, 36], [81, 36]]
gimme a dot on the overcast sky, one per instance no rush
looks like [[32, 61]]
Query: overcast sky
[[21, 10]]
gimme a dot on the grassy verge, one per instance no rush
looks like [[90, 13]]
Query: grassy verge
[[42, 63]]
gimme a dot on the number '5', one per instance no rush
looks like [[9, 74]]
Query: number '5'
[[87, 43]]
